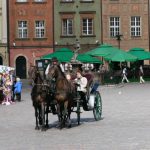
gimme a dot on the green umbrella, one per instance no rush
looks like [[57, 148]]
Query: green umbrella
[[62, 54], [103, 50], [120, 56], [65, 55], [88, 59], [140, 53]]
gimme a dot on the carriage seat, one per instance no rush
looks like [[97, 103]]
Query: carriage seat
[[89, 79], [91, 86]]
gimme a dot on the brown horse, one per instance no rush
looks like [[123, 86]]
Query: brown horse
[[39, 96], [63, 94]]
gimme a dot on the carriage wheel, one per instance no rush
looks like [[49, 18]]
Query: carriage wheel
[[78, 111], [97, 110]]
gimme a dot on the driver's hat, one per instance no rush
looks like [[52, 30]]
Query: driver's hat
[[54, 60]]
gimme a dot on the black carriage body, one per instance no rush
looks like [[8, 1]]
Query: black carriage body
[[42, 65], [93, 97]]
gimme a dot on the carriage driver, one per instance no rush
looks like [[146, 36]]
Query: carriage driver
[[54, 62], [81, 87]]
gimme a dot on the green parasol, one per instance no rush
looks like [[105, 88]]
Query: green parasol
[[121, 56], [140, 53], [103, 50]]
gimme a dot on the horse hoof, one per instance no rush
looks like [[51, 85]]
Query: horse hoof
[[47, 126], [59, 126], [69, 126], [37, 128], [43, 129]]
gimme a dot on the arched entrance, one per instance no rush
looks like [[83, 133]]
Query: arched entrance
[[21, 66], [1, 60]]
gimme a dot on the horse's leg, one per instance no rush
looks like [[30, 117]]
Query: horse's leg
[[65, 112], [36, 117], [60, 115], [43, 116], [67, 107], [69, 118], [47, 109], [40, 115]]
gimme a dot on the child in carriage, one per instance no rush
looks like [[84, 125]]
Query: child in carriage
[[18, 89]]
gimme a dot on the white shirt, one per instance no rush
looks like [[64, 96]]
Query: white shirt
[[82, 84], [47, 69], [124, 71], [141, 69]]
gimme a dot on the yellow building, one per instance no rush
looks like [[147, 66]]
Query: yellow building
[[3, 34]]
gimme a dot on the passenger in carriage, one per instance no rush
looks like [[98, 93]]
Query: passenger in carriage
[[81, 83]]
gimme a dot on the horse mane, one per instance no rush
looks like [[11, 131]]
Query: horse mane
[[62, 73], [38, 75]]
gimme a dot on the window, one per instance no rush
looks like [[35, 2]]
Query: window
[[39, 0], [114, 26], [136, 26], [22, 29], [67, 27], [87, 26], [21, 0], [39, 29], [67, 0], [86, 0]]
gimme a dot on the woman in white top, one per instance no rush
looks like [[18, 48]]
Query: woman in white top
[[82, 88], [81, 81]]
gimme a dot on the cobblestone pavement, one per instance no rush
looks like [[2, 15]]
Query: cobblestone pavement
[[125, 124]]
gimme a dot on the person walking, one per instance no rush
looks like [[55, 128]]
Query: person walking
[[141, 73], [124, 75]]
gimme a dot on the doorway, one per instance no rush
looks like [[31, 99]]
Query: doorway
[[1, 60], [21, 67]]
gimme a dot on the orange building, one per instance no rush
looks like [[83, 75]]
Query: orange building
[[125, 23], [30, 32]]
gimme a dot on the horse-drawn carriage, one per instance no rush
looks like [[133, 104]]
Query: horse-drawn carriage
[[53, 93]]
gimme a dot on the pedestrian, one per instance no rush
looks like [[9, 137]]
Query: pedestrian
[[7, 90], [124, 75], [141, 74], [18, 89], [13, 88]]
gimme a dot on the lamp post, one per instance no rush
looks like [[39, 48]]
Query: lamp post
[[118, 36]]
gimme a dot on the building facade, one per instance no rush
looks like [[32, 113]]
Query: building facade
[[77, 22], [125, 23], [30, 32], [3, 34]]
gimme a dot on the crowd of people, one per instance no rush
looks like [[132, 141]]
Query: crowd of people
[[10, 88]]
